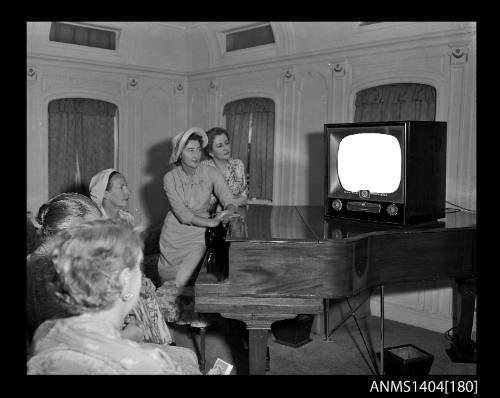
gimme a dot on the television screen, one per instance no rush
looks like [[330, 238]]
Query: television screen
[[369, 161]]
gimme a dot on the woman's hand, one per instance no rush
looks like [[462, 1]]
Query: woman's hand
[[214, 222], [242, 201], [225, 215]]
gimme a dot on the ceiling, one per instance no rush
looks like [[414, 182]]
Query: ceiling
[[220, 26]]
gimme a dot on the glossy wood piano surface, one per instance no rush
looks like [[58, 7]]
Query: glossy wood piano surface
[[284, 260]]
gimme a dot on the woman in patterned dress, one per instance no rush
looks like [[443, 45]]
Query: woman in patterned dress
[[109, 191], [218, 152], [99, 278]]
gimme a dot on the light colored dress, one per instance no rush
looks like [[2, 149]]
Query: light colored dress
[[182, 245], [83, 345]]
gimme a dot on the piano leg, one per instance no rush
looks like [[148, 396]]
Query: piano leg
[[257, 346], [326, 319], [463, 348], [382, 329]]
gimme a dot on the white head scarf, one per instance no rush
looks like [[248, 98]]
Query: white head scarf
[[98, 185], [179, 142]]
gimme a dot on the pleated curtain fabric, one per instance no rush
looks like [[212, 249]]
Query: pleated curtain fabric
[[262, 156], [81, 142], [260, 165], [392, 102]]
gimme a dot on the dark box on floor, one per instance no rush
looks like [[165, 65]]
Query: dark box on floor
[[407, 360], [293, 332]]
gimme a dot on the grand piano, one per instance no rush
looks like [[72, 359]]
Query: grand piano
[[285, 260]]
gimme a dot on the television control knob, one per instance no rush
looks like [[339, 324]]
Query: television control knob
[[337, 204], [392, 209], [365, 194]]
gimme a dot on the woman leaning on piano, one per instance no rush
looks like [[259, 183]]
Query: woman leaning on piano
[[189, 186], [218, 154]]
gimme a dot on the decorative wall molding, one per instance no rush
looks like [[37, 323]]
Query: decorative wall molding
[[378, 48], [288, 76], [59, 82], [132, 83], [179, 88], [338, 68], [284, 37], [212, 87], [103, 66], [459, 54], [32, 72]]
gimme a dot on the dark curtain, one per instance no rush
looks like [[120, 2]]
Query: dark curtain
[[237, 115], [81, 142], [401, 101]]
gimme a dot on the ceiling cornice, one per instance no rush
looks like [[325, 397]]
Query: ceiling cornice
[[378, 47], [359, 50]]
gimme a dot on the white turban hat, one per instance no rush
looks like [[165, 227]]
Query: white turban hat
[[98, 185], [179, 142]]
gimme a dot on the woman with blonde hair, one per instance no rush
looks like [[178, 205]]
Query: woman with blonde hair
[[98, 267]]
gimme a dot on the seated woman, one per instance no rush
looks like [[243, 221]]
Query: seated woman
[[109, 191], [218, 152], [59, 213], [31, 236], [189, 186], [99, 278]]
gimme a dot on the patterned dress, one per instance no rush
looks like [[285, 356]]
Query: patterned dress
[[147, 312], [234, 175], [86, 345]]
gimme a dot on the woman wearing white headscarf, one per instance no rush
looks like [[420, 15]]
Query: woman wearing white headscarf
[[188, 185], [109, 191]]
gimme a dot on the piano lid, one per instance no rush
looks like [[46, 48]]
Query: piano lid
[[270, 224], [336, 228]]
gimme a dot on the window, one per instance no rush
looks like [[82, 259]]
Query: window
[[399, 101], [250, 124], [253, 37], [83, 35], [82, 136]]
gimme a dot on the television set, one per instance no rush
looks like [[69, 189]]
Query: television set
[[389, 172]]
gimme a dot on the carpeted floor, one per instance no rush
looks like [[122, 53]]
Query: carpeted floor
[[345, 354]]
